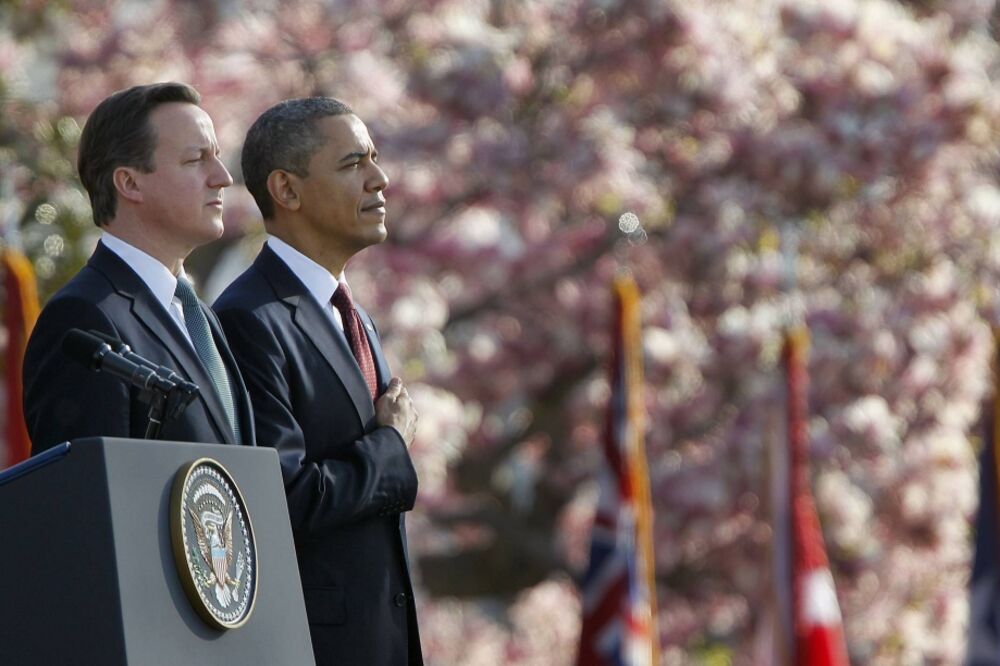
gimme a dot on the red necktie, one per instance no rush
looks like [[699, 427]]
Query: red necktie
[[354, 330]]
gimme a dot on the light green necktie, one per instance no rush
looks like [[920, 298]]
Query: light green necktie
[[204, 345]]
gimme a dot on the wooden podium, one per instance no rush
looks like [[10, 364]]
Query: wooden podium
[[88, 572]]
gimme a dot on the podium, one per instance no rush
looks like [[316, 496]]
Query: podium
[[88, 572]]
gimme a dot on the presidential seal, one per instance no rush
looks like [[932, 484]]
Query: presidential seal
[[213, 542]]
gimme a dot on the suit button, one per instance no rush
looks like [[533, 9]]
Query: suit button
[[400, 599]]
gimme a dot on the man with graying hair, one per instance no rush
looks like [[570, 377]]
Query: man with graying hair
[[149, 160], [322, 391]]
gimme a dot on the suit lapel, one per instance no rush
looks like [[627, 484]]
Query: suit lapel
[[154, 317], [316, 325]]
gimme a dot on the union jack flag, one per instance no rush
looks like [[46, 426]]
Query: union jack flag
[[618, 588]]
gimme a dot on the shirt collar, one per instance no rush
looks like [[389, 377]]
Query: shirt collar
[[150, 270], [319, 281]]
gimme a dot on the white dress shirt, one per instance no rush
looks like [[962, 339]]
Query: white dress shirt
[[320, 282], [154, 274]]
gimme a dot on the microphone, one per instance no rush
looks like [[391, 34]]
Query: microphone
[[126, 352], [97, 355]]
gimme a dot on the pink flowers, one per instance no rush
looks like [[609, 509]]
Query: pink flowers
[[515, 137]]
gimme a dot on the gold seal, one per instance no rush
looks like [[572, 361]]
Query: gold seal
[[214, 547]]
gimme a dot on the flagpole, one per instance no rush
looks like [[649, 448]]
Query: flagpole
[[790, 356], [627, 293], [629, 300], [618, 588]]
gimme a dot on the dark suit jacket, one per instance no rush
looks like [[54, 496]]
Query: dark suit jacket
[[984, 584], [64, 400], [347, 479]]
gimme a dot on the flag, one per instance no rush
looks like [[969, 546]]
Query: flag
[[816, 631], [19, 314], [984, 584], [618, 589]]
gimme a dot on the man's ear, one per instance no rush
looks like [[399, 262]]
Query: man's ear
[[125, 182], [284, 189]]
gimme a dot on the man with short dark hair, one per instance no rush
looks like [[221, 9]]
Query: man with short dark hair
[[149, 160], [323, 394]]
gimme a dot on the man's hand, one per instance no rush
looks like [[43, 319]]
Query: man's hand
[[394, 408]]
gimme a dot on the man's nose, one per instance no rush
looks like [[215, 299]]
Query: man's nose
[[220, 176], [378, 180]]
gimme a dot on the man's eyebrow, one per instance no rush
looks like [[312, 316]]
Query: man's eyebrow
[[357, 155]]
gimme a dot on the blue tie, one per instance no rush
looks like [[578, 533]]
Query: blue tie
[[204, 346]]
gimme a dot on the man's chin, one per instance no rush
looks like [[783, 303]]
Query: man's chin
[[376, 235], [363, 242], [215, 229]]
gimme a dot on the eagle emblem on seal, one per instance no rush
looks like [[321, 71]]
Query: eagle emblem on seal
[[215, 543]]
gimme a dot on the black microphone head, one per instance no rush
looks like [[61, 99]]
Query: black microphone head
[[111, 341], [83, 347]]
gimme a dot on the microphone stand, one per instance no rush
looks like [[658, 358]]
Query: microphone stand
[[166, 405], [157, 409]]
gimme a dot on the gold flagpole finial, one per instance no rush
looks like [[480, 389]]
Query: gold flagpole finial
[[632, 234]]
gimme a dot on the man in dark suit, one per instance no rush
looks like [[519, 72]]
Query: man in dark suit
[[149, 160], [319, 382]]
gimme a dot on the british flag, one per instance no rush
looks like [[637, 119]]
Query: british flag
[[618, 589]]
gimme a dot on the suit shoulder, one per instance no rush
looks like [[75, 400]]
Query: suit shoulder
[[249, 291], [88, 298], [88, 285], [88, 302], [247, 304], [67, 310]]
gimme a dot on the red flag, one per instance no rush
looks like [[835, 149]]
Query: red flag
[[817, 627], [618, 588], [19, 315]]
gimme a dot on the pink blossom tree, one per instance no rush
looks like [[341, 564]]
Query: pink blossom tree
[[515, 136]]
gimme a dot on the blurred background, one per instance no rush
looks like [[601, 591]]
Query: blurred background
[[515, 135]]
